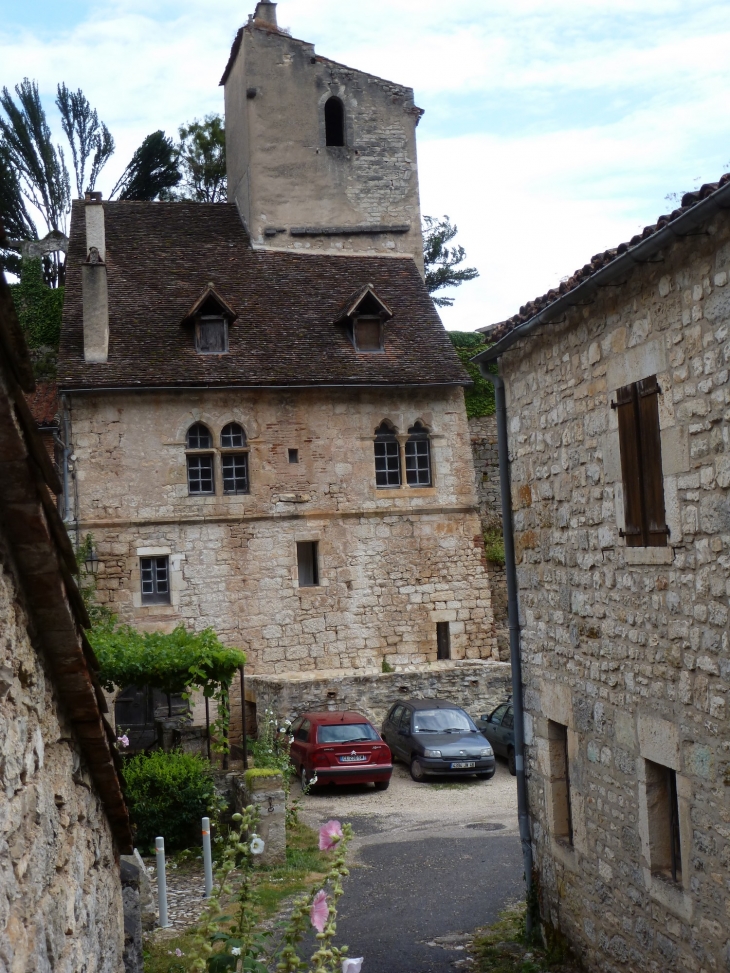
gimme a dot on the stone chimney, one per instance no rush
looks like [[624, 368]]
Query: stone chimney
[[265, 14], [94, 283]]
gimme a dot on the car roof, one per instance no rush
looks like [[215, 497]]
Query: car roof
[[335, 716], [431, 704]]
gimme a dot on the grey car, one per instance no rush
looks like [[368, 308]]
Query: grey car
[[433, 736], [499, 728]]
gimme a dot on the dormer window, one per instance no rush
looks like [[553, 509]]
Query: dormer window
[[211, 318], [368, 333], [365, 316], [211, 335]]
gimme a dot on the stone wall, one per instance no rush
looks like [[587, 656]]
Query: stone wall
[[628, 648], [393, 562], [60, 892], [285, 179], [477, 686], [483, 435]]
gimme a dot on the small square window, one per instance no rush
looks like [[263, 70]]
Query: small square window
[[293, 455], [211, 335], [235, 473], [155, 577], [200, 475], [308, 564], [387, 463], [368, 334]]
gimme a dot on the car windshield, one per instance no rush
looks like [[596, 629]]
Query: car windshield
[[442, 721], [345, 733]]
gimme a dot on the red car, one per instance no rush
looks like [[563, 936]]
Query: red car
[[340, 748]]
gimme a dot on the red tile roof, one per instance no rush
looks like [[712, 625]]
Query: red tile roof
[[160, 257], [43, 403], [600, 260]]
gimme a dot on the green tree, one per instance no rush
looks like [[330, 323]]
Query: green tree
[[152, 172], [88, 137], [480, 397], [442, 261], [202, 160], [13, 212]]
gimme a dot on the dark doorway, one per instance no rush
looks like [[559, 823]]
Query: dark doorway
[[334, 121], [137, 707], [443, 640]]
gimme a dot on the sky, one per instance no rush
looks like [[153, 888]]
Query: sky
[[553, 129]]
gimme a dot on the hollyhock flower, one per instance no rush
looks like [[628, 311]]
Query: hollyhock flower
[[235, 950], [329, 835], [319, 911], [352, 965], [123, 740], [257, 845], [179, 952]]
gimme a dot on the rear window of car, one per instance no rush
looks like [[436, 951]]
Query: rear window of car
[[441, 720], [345, 733]]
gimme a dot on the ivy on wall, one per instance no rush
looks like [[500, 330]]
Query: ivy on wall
[[480, 397], [38, 306]]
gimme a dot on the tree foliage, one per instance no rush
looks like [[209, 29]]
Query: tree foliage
[[480, 397], [13, 212], [202, 160], [173, 662], [152, 172], [442, 261], [88, 137], [39, 307]]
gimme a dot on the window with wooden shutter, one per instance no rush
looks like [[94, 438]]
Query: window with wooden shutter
[[637, 406]]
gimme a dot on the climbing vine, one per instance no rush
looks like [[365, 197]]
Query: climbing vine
[[480, 397], [38, 307]]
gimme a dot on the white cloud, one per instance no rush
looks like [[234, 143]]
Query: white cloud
[[554, 128]]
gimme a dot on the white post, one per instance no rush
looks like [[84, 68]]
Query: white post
[[161, 882], [207, 858]]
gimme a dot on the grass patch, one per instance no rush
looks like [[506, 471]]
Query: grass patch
[[502, 948], [159, 952]]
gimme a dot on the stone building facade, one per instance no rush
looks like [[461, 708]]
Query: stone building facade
[[63, 822], [320, 156], [625, 645]]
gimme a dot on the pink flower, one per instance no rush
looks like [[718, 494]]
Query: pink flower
[[123, 740], [329, 835], [352, 965], [179, 952], [319, 910]]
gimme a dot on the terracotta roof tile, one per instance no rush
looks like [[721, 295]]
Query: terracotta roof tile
[[43, 403], [527, 311], [160, 257]]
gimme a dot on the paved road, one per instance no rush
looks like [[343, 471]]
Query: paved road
[[432, 862]]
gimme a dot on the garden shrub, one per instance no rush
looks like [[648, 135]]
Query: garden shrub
[[167, 794]]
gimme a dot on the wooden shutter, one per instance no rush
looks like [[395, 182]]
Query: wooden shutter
[[651, 463], [628, 431]]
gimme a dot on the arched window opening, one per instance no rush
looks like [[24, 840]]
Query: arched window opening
[[418, 456], [387, 456], [199, 437], [200, 465], [234, 464], [233, 436], [334, 121]]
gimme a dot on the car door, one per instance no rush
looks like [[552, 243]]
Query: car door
[[390, 725], [508, 729], [300, 744], [494, 732], [402, 738]]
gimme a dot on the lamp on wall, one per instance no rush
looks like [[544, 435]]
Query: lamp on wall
[[91, 563]]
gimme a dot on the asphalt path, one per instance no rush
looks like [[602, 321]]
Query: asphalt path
[[430, 863]]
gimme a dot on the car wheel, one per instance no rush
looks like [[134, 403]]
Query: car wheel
[[417, 771], [511, 763], [382, 785], [487, 776]]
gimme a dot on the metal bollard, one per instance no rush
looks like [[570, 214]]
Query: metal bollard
[[207, 858], [161, 882]]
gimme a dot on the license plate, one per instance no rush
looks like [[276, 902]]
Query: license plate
[[463, 765], [356, 759]]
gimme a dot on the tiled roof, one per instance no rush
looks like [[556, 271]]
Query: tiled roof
[[161, 256], [600, 260]]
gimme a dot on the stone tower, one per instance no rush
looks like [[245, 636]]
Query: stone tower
[[321, 157]]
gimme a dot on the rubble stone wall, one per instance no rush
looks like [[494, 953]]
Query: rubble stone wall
[[392, 562], [629, 648], [60, 891], [477, 686], [483, 435]]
